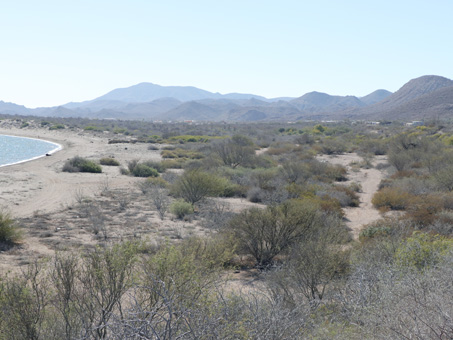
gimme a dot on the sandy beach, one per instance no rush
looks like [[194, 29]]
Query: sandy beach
[[40, 185]]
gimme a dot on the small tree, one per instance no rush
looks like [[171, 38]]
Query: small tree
[[313, 263], [159, 198], [195, 185], [235, 151], [266, 233]]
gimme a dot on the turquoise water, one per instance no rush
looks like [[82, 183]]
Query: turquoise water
[[20, 149]]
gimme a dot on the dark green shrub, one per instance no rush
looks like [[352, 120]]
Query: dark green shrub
[[79, 164], [156, 165], [109, 161], [57, 127], [93, 128], [142, 170]]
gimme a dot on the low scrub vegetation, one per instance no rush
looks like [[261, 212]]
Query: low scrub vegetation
[[283, 240], [79, 164], [109, 161]]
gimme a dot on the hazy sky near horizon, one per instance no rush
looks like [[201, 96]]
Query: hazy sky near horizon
[[57, 51]]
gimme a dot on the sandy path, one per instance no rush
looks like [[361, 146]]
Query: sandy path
[[369, 179], [40, 185]]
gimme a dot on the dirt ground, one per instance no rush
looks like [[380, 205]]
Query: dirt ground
[[369, 180]]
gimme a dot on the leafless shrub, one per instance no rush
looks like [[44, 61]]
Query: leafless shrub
[[215, 214], [159, 198]]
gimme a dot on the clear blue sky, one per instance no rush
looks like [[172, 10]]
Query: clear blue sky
[[56, 51]]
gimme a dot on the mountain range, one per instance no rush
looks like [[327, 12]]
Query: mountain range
[[421, 98]]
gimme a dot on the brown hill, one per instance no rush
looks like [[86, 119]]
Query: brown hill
[[421, 97]]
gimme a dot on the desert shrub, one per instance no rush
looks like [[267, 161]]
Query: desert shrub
[[215, 214], [255, 195], [294, 172], [312, 264], [181, 153], [79, 164], [156, 165], [280, 149], [332, 146], [442, 224], [236, 151], [266, 233], [173, 163], [328, 205], [336, 173], [145, 169], [374, 146], [93, 128], [124, 171], [183, 273], [152, 182], [356, 187], [263, 178], [195, 185], [444, 178], [375, 230], [157, 181], [9, 232], [109, 161], [422, 210], [422, 250], [142, 170], [181, 208], [415, 185], [57, 127], [392, 198], [345, 196]]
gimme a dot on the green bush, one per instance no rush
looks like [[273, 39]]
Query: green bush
[[109, 161], [57, 127], [93, 128], [423, 250], [79, 164], [142, 170], [195, 185], [156, 165], [181, 208], [9, 233]]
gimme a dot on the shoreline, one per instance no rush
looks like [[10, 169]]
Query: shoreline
[[40, 185], [58, 147]]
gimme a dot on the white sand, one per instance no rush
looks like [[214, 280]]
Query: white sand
[[40, 185]]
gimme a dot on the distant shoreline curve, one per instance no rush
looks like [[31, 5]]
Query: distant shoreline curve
[[57, 148]]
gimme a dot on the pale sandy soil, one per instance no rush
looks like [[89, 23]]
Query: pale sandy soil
[[369, 179], [40, 185]]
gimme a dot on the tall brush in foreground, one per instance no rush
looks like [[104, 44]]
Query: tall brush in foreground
[[9, 233]]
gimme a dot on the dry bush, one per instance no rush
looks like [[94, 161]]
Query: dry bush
[[391, 198]]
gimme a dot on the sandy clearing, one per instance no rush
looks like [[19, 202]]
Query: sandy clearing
[[369, 179]]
